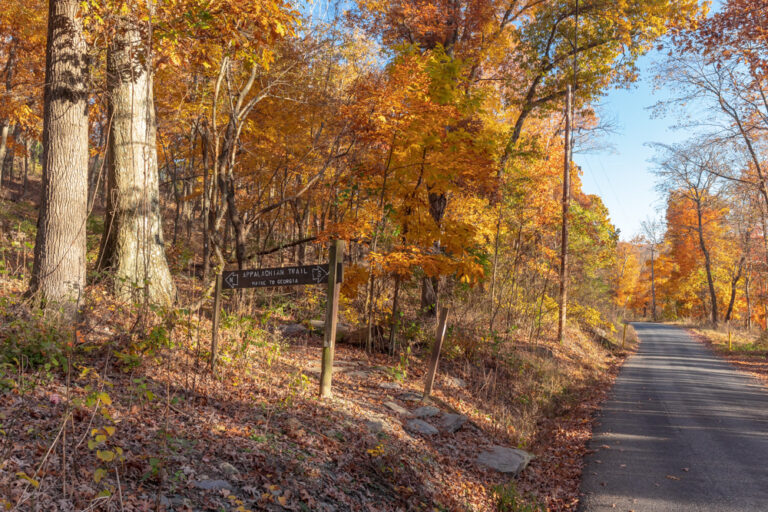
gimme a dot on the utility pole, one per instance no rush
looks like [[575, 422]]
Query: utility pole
[[566, 208], [653, 282]]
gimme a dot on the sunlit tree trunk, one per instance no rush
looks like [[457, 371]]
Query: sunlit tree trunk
[[132, 245], [58, 275], [707, 263], [5, 128]]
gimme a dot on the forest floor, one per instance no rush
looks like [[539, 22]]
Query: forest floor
[[123, 413], [747, 350]]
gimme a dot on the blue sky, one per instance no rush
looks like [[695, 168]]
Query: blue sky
[[622, 174]]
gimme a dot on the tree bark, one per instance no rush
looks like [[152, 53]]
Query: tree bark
[[58, 274], [5, 127], [734, 285], [132, 245], [748, 297], [27, 157], [10, 156], [430, 286], [707, 263]]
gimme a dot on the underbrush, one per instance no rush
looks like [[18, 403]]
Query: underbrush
[[126, 402], [736, 340]]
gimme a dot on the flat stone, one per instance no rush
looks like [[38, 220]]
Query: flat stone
[[212, 485], [341, 328], [452, 422], [426, 411], [410, 397], [505, 460], [228, 469], [455, 382], [375, 426], [359, 374], [316, 368], [293, 330], [389, 385], [421, 427], [397, 408]]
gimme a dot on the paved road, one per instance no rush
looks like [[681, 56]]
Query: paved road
[[683, 431]]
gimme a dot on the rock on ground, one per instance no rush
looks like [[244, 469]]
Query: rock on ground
[[426, 411], [228, 469], [505, 460], [421, 427], [293, 330], [213, 485], [452, 422], [397, 408]]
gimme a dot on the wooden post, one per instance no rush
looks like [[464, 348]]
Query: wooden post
[[624, 336], [433, 361], [331, 317], [216, 315]]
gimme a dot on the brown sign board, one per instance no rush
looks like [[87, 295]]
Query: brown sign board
[[281, 276]]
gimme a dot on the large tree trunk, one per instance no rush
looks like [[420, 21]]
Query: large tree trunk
[[133, 245], [58, 275], [707, 264]]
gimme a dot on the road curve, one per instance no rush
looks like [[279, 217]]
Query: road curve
[[683, 430]]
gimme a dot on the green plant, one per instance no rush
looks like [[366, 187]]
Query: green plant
[[34, 342], [509, 499], [400, 371]]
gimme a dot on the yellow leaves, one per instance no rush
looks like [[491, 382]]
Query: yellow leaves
[[99, 474], [28, 478], [105, 455], [378, 451]]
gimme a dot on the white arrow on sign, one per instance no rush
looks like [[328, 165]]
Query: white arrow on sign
[[318, 274], [231, 280]]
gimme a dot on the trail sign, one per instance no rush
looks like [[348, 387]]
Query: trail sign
[[281, 276], [331, 274]]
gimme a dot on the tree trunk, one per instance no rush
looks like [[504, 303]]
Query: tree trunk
[[734, 285], [27, 157], [5, 127], [395, 321], [58, 275], [10, 156], [133, 245], [707, 264], [430, 286], [566, 208], [748, 297]]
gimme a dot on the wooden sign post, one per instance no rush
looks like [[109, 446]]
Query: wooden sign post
[[442, 324], [332, 273], [216, 317], [624, 335], [331, 318]]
